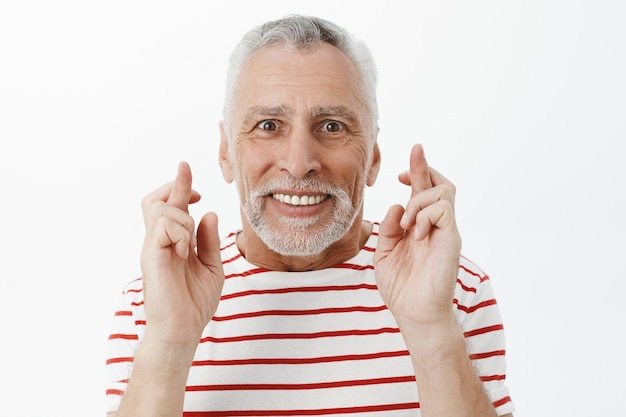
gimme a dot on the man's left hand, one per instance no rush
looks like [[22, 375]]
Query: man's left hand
[[417, 258]]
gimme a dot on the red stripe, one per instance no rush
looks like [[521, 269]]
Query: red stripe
[[299, 312], [301, 361], [475, 307], [468, 289], [278, 336], [485, 355], [140, 322], [115, 392], [133, 289], [136, 304], [247, 273], [488, 378], [300, 289], [230, 244], [119, 360], [309, 386], [482, 277], [123, 313], [354, 266], [261, 270], [316, 412], [502, 401], [123, 336], [234, 258], [367, 248], [484, 330]]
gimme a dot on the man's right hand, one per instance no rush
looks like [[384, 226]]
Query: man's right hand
[[182, 271], [182, 282]]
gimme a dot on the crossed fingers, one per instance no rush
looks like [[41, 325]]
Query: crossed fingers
[[166, 214], [432, 197]]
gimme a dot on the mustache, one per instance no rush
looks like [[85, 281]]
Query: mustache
[[313, 185]]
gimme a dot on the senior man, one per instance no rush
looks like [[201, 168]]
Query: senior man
[[308, 309]]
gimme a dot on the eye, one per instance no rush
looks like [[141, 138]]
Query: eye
[[332, 126], [268, 125]]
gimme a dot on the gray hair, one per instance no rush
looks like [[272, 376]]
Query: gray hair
[[302, 32]]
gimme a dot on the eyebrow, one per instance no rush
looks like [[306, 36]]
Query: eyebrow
[[255, 112], [333, 111]]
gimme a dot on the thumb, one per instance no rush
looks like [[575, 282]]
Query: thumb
[[390, 232], [209, 241]]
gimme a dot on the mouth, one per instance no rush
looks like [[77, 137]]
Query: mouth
[[299, 200]]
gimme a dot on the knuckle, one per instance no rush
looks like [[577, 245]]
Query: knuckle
[[162, 221], [446, 205], [146, 201], [153, 211], [446, 192]]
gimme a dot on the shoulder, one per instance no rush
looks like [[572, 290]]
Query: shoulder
[[133, 287], [470, 272], [473, 283]]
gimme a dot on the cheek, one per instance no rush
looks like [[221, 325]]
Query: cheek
[[353, 179], [246, 160], [250, 170], [357, 193]]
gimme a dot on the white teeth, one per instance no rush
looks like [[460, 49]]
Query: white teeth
[[299, 200]]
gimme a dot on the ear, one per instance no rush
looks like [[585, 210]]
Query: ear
[[224, 157], [375, 167]]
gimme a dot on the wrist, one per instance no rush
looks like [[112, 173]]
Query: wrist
[[158, 380], [430, 340], [446, 379], [167, 357]]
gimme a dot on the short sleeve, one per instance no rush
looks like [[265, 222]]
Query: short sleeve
[[478, 315], [126, 332]]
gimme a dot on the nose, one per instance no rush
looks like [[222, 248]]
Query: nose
[[301, 154]]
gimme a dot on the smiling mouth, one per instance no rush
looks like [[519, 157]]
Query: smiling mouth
[[299, 200]]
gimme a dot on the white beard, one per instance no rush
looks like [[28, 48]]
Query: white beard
[[292, 237]]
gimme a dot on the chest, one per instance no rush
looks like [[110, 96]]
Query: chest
[[323, 345]]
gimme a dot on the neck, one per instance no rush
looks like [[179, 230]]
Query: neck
[[256, 251]]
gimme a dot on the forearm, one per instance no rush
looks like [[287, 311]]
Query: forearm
[[446, 380], [158, 381]]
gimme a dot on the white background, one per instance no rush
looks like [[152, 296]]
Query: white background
[[520, 103]]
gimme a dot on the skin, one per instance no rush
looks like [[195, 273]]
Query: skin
[[295, 92], [416, 260]]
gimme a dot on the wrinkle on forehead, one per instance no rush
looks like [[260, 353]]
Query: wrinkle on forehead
[[313, 84]]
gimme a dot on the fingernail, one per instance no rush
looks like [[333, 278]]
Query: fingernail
[[403, 220], [416, 232]]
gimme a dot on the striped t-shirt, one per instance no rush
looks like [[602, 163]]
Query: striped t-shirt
[[310, 343]]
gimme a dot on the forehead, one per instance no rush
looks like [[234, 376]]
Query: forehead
[[277, 76]]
